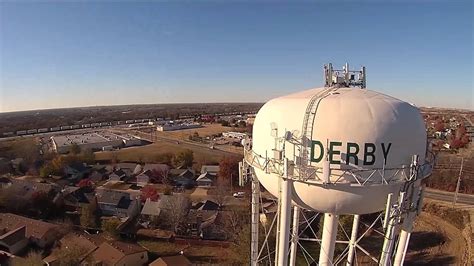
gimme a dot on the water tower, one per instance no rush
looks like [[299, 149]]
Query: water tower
[[338, 150]]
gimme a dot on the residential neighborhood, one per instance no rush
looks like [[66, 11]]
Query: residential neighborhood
[[116, 213]]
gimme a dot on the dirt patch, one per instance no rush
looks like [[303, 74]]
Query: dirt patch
[[435, 242]]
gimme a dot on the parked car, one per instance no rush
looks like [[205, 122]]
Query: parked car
[[239, 194]]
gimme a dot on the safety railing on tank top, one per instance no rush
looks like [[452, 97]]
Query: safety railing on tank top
[[359, 176]]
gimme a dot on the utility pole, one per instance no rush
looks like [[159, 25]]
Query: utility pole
[[458, 183]]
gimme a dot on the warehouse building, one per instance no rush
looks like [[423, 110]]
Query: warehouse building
[[173, 126], [92, 141]]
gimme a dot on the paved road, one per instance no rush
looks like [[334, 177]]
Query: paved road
[[448, 196], [468, 120]]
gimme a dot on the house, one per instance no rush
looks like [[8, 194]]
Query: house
[[117, 203], [18, 164], [85, 244], [79, 198], [27, 188], [5, 182], [211, 169], [156, 173], [184, 182], [99, 173], [144, 178], [186, 173], [37, 232], [198, 220], [178, 260], [13, 241], [120, 253], [130, 168], [76, 171], [183, 177], [205, 180], [151, 211], [5, 166], [117, 175], [206, 205]]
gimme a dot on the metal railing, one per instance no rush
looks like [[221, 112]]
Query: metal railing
[[357, 177]]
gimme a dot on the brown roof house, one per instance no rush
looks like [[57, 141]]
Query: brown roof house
[[13, 241], [38, 232], [86, 244], [120, 253], [178, 260]]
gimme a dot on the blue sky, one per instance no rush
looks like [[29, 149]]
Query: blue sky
[[106, 53]]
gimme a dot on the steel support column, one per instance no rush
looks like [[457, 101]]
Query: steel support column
[[295, 234], [353, 240], [255, 220], [284, 217], [328, 240]]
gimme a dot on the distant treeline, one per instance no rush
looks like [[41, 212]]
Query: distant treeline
[[14, 121]]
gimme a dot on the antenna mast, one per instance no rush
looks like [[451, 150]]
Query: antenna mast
[[344, 77]]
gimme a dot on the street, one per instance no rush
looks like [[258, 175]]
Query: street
[[449, 196]]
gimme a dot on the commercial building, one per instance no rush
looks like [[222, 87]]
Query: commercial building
[[173, 126], [235, 135], [93, 141]]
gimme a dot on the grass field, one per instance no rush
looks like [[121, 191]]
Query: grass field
[[151, 153]]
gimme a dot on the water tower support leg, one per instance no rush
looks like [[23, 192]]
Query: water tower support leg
[[284, 218], [402, 247], [295, 233], [328, 240], [407, 227], [255, 220], [353, 241]]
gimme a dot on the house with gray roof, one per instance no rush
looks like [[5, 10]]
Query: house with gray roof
[[117, 203]]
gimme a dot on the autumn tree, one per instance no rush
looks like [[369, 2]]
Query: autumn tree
[[75, 149], [72, 255], [87, 156], [439, 125], [229, 169], [184, 159], [83, 183], [110, 226], [88, 217], [149, 192], [43, 203], [165, 158], [46, 170], [32, 259]]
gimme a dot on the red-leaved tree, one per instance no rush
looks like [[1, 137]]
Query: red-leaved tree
[[149, 192]]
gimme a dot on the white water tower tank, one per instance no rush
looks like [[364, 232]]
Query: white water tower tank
[[359, 131]]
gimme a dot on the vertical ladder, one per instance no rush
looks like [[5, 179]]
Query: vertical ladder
[[307, 129]]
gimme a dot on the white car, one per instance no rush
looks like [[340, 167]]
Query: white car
[[240, 194]]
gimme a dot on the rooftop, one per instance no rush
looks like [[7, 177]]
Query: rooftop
[[85, 138], [171, 260], [34, 228], [112, 253]]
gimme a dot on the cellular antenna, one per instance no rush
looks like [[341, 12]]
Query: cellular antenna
[[344, 77]]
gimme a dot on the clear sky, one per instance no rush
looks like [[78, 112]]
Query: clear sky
[[106, 53]]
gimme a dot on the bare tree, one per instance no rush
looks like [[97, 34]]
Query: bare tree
[[235, 219], [175, 208], [221, 193]]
